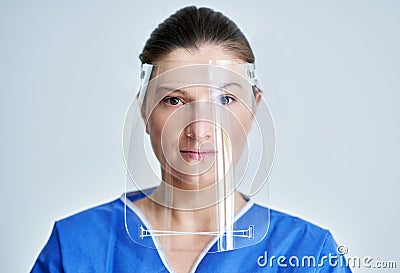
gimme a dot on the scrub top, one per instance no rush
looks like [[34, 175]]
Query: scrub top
[[96, 240]]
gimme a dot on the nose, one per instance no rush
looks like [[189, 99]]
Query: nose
[[200, 130]]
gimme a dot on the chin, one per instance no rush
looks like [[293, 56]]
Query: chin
[[191, 182]]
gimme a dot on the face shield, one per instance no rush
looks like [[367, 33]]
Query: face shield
[[198, 141]]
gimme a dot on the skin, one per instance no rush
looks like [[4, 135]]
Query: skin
[[195, 141], [189, 146]]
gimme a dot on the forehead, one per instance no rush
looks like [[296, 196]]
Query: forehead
[[159, 79], [169, 76], [202, 55], [179, 58]]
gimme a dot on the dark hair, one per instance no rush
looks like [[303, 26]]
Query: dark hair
[[193, 27]]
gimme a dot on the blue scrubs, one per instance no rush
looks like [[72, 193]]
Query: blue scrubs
[[95, 240]]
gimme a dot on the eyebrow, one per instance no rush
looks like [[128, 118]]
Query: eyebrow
[[183, 92], [171, 90], [229, 84]]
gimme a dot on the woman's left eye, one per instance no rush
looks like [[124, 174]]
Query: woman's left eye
[[225, 100]]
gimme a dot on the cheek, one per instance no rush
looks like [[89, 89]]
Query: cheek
[[155, 129], [241, 122], [163, 137], [239, 132]]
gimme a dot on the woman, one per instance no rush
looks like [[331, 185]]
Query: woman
[[195, 114]]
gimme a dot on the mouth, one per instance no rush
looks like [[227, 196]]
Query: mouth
[[197, 155]]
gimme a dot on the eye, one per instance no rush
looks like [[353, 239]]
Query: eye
[[173, 101], [224, 100]]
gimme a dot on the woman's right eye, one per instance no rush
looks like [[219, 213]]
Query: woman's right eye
[[173, 101]]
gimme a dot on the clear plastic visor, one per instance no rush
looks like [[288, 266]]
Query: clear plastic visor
[[198, 139]]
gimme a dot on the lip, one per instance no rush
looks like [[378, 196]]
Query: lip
[[197, 155]]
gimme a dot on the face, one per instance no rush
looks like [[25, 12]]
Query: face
[[198, 116]]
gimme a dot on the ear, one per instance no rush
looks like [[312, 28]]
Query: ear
[[146, 121], [257, 96]]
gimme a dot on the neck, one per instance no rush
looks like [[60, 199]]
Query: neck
[[195, 219], [206, 219]]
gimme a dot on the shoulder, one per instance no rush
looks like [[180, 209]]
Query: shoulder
[[284, 221], [299, 240], [95, 216], [89, 241], [89, 235], [293, 234], [80, 238], [90, 230]]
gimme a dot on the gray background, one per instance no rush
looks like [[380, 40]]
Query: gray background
[[329, 70]]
